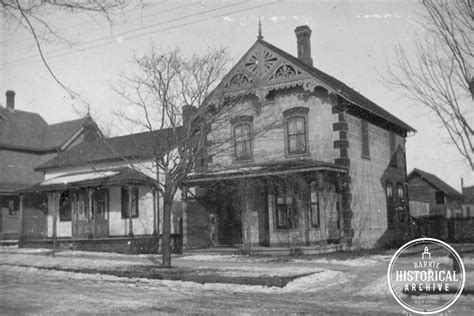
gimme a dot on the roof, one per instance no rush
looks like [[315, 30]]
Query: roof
[[7, 187], [97, 178], [436, 182], [343, 90], [355, 99], [29, 131], [138, 146], [265, 169]]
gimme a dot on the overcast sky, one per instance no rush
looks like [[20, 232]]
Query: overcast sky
[[351, 40]]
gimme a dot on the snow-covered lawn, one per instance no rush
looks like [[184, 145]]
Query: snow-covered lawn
[[355, 262]]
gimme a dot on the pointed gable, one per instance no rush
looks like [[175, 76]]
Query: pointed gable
[[264, 68]]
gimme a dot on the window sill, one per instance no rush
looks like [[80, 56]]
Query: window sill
[[241, 161], [286, 229], [365, 157], [288, 155]]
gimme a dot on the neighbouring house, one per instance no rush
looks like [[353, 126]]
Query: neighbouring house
[[468, 201], [101, 195], [302, 159], [433, 203], [26, 141]]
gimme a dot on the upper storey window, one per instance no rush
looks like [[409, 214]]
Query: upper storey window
[[365, 139], [296, 130], [242, 138]]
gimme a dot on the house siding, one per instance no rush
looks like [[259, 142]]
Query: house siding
[[268, 126], [368, 178]]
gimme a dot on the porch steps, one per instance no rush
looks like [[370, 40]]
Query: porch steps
[[268, 251]]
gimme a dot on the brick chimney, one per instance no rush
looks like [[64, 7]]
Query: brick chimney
[[10, 100], [303, 34]]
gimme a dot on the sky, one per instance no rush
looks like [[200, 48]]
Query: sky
[[353, 41]]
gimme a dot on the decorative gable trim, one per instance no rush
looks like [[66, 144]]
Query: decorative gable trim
[[262, 70]]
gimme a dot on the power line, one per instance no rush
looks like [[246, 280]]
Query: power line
[[27, 60], [101, 28], [34, 57], [17, 40]]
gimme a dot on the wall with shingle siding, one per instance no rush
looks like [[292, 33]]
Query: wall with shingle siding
[[368, 177]]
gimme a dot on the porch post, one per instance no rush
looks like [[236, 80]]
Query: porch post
[[92, 218], [184, 209], [22, 226], [154, 211], [322, 210], [130, 222], [54, 210]]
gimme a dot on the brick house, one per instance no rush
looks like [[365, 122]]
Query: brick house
[[26, 141], [100, 195], [302, 159], [434, 204]]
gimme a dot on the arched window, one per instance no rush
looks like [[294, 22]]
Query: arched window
[[390, 208], [401, 202], [400, 193]]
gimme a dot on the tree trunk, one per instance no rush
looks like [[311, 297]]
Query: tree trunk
[[166, 237]]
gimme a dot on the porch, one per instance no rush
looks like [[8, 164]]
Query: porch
[[289, 205], [103, 210]]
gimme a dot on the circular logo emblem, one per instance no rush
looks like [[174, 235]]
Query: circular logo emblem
[[426, 276]]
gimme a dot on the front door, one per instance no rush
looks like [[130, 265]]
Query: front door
[[100, 213], [230, 225]]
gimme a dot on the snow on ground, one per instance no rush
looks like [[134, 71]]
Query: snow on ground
[[378, 288], [43, 261], [77, 263], [317, 281], [257, 271], [313, 283], [224, 258], [356, 262], [15, 249]]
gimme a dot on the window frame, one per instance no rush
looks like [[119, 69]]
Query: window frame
[[438, 194], [66, 209], [390, 203], [365, 139], [10, 202], [292, 114], [314, 205], [290, 207], [124, 198], [242, 121]]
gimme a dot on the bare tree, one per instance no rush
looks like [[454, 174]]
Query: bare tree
[[441, 76], [167, 87], [32, 16]]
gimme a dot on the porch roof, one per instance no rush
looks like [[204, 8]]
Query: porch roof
[[265, 169], [96, 178]]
